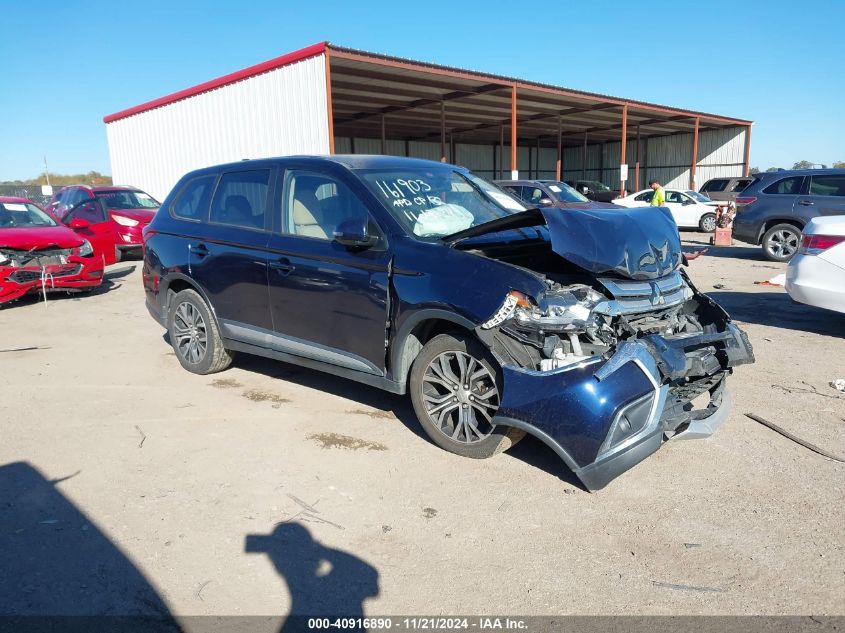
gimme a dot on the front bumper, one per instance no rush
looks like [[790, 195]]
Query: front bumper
[[79, 273], [604, 416]]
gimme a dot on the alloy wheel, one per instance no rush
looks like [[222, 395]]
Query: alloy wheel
[[709, 224], [783, 244], [460, 396], [190, 333]]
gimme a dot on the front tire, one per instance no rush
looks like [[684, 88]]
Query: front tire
[[194, 335], [781, 242], [455, 388], [707, 223]]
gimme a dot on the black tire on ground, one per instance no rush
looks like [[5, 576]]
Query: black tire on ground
[[455, 418], [781, 242], [707, 223], [194, 335]]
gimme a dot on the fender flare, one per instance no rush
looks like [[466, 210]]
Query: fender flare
[[165, 289], [770, 222], [400, 364]]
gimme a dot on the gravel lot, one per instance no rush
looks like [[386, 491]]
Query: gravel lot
[[129, 485]]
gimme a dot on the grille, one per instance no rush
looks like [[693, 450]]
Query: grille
[[28, 276], [632, 297]]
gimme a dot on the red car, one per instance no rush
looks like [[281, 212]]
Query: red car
[[38, 254], [129, 209]]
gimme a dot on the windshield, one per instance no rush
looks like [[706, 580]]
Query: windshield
[[697, 196], [595, 185], [23, 215], [431, 203], [127, 200], [565, 193]]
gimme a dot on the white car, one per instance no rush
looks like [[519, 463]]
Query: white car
[[689, 208], [816, 274]]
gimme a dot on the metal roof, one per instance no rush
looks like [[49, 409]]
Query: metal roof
[[365, 86]]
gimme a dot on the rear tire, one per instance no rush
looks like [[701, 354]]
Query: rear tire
[[781, 242], [458, 419], [707, 223], [194, 335]]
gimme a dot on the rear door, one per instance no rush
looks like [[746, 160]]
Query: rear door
[[328, 303], [826, 195], [782, 198], [228, 256], [95, 226]]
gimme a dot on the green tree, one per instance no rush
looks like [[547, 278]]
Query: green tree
[[840, 164], [753, 171], [803, 164], [92, 178]]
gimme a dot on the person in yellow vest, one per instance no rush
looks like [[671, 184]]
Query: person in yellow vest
[[659, 197]]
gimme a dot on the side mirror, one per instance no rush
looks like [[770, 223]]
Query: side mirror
[[545, 202], [79, 223], [353, 234]]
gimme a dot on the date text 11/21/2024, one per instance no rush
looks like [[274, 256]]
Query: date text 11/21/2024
[[419, 623]]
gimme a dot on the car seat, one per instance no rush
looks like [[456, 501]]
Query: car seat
[[307, 215], [238, 211]]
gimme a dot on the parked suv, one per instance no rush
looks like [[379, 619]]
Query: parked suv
[[419, 277], [725, 189], [550, 193], [773, 210], [128, 208]]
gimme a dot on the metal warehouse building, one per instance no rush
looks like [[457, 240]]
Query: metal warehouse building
[[329, 99]]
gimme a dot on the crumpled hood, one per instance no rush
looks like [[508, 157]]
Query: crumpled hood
[[639, 243], [26, 238]]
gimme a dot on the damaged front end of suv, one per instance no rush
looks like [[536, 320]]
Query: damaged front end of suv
[[620, 351]]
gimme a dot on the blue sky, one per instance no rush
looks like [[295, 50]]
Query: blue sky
[[64, 65]]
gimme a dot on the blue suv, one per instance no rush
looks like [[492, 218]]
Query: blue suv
[[579, 327]]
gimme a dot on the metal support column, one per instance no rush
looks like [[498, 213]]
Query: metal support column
[[442, 131], [584, 159], [637, 186], [514, 167], [623, 149], [559, 162], [747, 150], [501, 152], [694, 154], [383, 137]]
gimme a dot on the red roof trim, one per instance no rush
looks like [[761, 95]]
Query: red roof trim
[[225, 80]]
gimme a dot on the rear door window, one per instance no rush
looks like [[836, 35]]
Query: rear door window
[[241, 199], [827, 186], [192, 202], [785, 186]]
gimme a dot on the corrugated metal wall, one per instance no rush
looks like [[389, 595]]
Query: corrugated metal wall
[[280, 112], [666, 158]]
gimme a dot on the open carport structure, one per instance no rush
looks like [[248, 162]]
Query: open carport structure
[[331, 99]]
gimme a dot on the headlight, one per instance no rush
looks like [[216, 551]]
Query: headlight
[[569, 309], [124, 221], [86, 250]]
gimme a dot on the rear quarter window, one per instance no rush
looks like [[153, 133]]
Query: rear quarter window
[[191, 203], [715, 185]]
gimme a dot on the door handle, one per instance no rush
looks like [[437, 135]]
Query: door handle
[[200, 250], [806, 203], [282, 265]]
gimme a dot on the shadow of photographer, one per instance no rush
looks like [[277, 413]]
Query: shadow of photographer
[[322, 581]]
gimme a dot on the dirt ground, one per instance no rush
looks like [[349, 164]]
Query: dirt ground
[[128, 485]]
